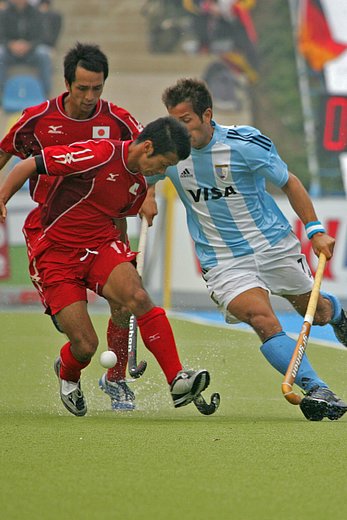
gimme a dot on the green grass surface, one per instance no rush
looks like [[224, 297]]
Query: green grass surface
[[256, 458]]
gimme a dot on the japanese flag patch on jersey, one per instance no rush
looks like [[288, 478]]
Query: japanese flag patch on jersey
[[101, 132]]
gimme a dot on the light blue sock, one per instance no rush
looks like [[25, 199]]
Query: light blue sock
[[337, 308], [278, 350]]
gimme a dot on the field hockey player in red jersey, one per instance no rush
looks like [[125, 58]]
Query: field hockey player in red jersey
[[78, 114], [78, 248]]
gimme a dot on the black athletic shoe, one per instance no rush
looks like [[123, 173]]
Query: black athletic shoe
[[321, 402], [340, 328]]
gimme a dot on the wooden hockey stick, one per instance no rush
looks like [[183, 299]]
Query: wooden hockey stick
[[300, 348], [136, 370]]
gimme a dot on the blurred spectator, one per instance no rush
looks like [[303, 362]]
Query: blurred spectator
[[167, 20], [21, 29], [52, 23], [205, 21], [224, 25]]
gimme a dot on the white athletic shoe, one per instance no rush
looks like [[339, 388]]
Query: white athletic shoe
[[70, 393], [187, 385]]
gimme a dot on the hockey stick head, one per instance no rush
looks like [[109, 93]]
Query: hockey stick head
[[290, 395], [205, 408], [138, 370]]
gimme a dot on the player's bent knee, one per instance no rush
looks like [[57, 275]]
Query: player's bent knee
[[323, 312], [265, 325], [84, 347], [322, 318], [140, 303]]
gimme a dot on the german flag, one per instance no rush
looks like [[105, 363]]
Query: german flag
[[315, 41]]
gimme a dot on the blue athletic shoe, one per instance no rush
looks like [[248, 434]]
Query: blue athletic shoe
[[122, 398]]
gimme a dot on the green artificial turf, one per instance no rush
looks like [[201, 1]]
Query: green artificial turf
[[256, 458]]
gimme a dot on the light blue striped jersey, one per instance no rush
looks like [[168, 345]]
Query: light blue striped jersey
[[222, 186]]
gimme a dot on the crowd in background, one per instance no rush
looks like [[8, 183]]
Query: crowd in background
[[29, 31]]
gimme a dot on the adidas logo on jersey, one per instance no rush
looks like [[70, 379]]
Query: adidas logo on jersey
[[186, 173]]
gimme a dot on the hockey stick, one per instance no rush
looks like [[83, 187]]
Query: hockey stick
[[136, 370], [204, 407], [301, 344]]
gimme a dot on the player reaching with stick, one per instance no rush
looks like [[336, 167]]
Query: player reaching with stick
[[79, 247], [244, 243], [76, 115]]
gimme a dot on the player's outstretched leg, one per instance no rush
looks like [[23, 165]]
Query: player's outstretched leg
[[319, 401], [114, 383], [158, 337], [187, 385]]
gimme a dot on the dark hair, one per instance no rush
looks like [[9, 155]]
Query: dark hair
[[167, 135], [194, 91], [85, 55]]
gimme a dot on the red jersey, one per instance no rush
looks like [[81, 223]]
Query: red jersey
[[95, 186], [48, 125]]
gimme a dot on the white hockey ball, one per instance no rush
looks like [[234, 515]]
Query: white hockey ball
[[108, 359]]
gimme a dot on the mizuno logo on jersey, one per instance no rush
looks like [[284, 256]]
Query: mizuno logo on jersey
[[112, 177], [72, 157], [55, 129], [154, 337], [186, 173], [211, 193]]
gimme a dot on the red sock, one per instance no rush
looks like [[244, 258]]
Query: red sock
[[157, 335], [70, 368], [117, 341]]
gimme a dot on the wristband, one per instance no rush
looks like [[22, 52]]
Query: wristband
[[314, 227]]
